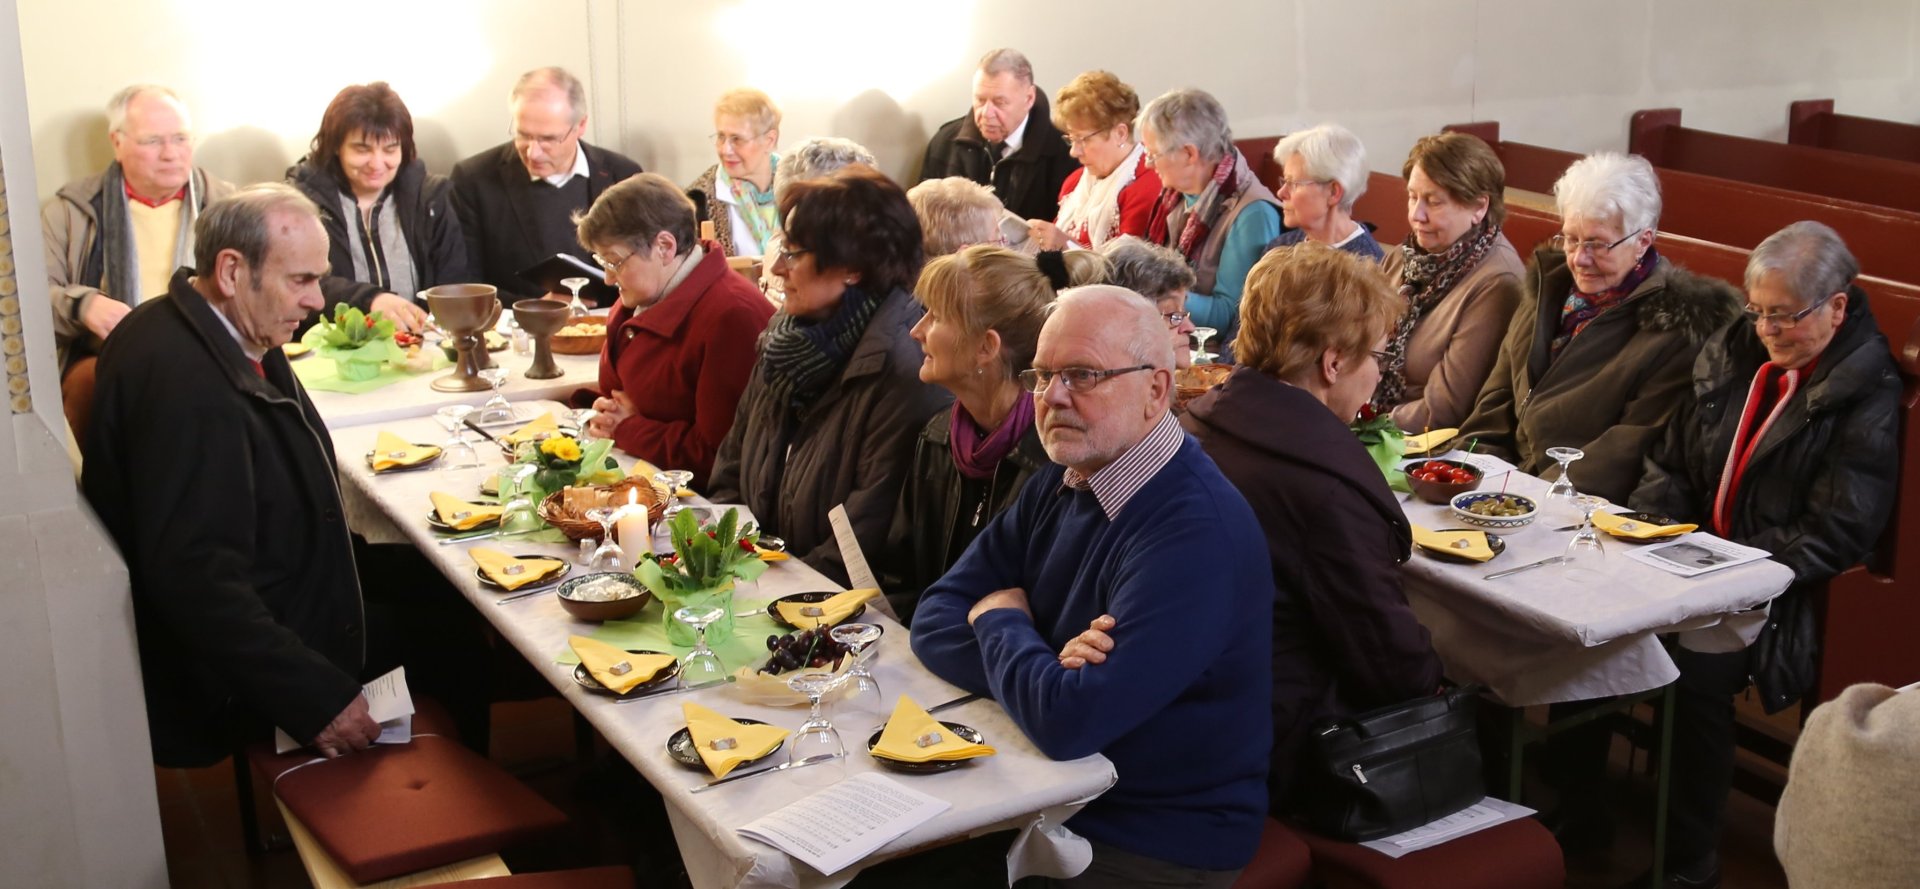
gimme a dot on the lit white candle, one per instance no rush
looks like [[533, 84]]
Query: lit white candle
[[630, 529]]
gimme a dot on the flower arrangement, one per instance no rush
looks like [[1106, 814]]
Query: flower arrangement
[[703, 566], [1384, 442], [357, 343], [560, 461]]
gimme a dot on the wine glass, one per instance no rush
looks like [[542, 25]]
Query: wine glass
[[1201, 335], [577, 308], [609, 556], [817, 743], [674, 480], [497, 409], [580, 417], [701, 666], [517, 515], [1560, 497], [459, 451], [1585, 553], [865, 693]]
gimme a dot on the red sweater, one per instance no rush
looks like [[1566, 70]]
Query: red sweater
[[1136, 200], [684, 362]]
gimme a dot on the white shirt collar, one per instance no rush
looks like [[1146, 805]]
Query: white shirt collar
[[244, 345], [559, 180], [1015, 137]]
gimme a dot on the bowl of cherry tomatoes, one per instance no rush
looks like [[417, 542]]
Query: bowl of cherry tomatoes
[[1438, 481]]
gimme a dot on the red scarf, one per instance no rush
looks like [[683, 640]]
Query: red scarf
[[1219, 195], [159, 203], [1766, 400]]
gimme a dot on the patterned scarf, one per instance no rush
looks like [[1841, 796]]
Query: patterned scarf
[[1090, 214], [1231, 177], [977, 452], [755, 207], [1425, 279], [800, 358], [1581, 308]]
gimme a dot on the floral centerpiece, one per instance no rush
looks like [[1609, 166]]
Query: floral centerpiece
[[561, 461], [357, 343], [702, 568], [1384, 442]]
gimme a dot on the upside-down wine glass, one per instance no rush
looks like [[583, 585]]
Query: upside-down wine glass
[[609, 556], [496, 409], [702, 665], [1201, 335], [1560, 497], [674, 480], [864, 694], [577, 308], [459, 451], [1585, 554], [817, 743]]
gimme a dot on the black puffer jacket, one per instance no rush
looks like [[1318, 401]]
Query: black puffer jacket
[[427, 221], [1027, 181], [1821, 482]]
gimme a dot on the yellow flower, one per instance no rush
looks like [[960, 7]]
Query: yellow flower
[[561, 448]]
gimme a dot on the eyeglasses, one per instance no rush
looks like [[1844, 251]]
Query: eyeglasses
[[791, 256], [1379, 357], [1568, 246], [1078, 379], [546, 143], [731, 141], [1292, 184], [1784, 320], [1073, 140], [177, 140], [1175, 319], [613, 268]]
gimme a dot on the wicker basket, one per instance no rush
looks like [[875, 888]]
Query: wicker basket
[[583, 528], [1196, 380], [575, 344]]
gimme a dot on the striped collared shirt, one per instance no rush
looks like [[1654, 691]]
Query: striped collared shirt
[[1116, 483]]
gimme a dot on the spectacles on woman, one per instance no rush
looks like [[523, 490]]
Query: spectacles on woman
[[1077, 379], [790, 255], [732, 140], [1296, 184], [1094, 136], [1784, 320], [1175, 319], [1570, 246]]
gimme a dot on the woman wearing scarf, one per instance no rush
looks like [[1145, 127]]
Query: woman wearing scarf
[[739, 189], [984, 307], [1460, 278], [1790, 443], [1600, 347], [1323, 173], [1213, 209], [830, 413], [1114, 190]]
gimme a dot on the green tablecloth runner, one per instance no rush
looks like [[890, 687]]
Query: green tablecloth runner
[[746, 647], [318, 374]]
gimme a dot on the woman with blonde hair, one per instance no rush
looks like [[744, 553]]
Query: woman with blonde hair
[[1112, 193], [1312, 324], [738, 190], [985, 306]]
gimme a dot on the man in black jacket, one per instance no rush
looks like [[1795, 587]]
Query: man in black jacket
[[215, 476], [1007, 142], [516, 200]]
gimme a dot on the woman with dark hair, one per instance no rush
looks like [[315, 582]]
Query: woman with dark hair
[[391, 230], [830, 413]]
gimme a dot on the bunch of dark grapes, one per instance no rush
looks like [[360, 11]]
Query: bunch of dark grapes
[[802, 648]]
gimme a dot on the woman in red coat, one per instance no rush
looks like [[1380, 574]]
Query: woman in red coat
[[680, 345], [1113, 192]]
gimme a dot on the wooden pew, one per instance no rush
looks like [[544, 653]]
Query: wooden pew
[[1813, 123], [1657, 135], [1737, 214]]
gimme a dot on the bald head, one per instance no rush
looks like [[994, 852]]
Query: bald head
[[1113, 332]]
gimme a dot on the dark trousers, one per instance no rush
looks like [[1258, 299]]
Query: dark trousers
[[417, 619], [1703, 742], [1114, 868]]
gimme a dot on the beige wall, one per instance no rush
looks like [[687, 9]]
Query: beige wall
[[258, 74]]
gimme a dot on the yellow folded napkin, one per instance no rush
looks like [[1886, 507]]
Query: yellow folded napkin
[[1465, 544], [909, 724], [461, 514], [643, 469], [512, 572], [1427, 441], [831, 611], [602, 660], [1621, 526], [767, 555], [748, 742], [390, 450], [541, 425]]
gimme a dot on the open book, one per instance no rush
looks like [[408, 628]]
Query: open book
[[846, 822]]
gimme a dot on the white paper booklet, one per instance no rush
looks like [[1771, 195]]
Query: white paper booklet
[[388, 702], [1477, 817], [846, 822], [1695, 554]]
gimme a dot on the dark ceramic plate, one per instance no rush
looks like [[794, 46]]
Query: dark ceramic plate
[[1493, 543], [966, 732], [552, 578], [433, 521], [680, 748], [773, 609], [584, 678], [412, 467]]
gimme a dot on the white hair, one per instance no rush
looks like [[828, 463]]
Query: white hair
[[1331, 153], [1610, 186], [1004, 61], [1126, 312], [117, 106], [1188, 117], [818, 157]]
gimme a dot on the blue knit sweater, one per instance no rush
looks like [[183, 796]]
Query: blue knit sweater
[[1362, 244], [1181, 704]]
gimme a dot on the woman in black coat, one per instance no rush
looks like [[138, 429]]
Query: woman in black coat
[[1312, 324], [391, 229], [1789, 444]]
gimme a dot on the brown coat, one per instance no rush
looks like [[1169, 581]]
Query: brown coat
[[1453, 349], [1612, 389]]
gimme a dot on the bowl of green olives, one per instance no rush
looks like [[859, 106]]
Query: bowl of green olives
[[1490, 509]]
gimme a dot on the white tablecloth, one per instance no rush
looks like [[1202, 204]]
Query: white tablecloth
[[1017, 788], [1552, 634], [415, 396]]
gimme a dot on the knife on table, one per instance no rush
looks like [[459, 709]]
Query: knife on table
[[1527, 567], [779, 768]]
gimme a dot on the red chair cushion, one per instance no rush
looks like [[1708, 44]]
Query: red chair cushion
[[429, 718], [611, 877], [1282, 861], [393, 810], [1516, 855]]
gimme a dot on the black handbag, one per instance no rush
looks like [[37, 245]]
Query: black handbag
[[1379, 773]]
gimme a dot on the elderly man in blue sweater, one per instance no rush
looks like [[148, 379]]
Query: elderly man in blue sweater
[[1137, 523]]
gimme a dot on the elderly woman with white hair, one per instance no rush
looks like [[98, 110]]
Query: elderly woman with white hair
[[1212, 209], [1790, 443], [1323, 172], [956, 213], [1600, 348], [738, 191]]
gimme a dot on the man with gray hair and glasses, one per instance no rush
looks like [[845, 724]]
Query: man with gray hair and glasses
[[1008, 141], [114, 239], [1134, 523], [517, 200]]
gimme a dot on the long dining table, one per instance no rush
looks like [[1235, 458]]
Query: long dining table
[[1018, 788]]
